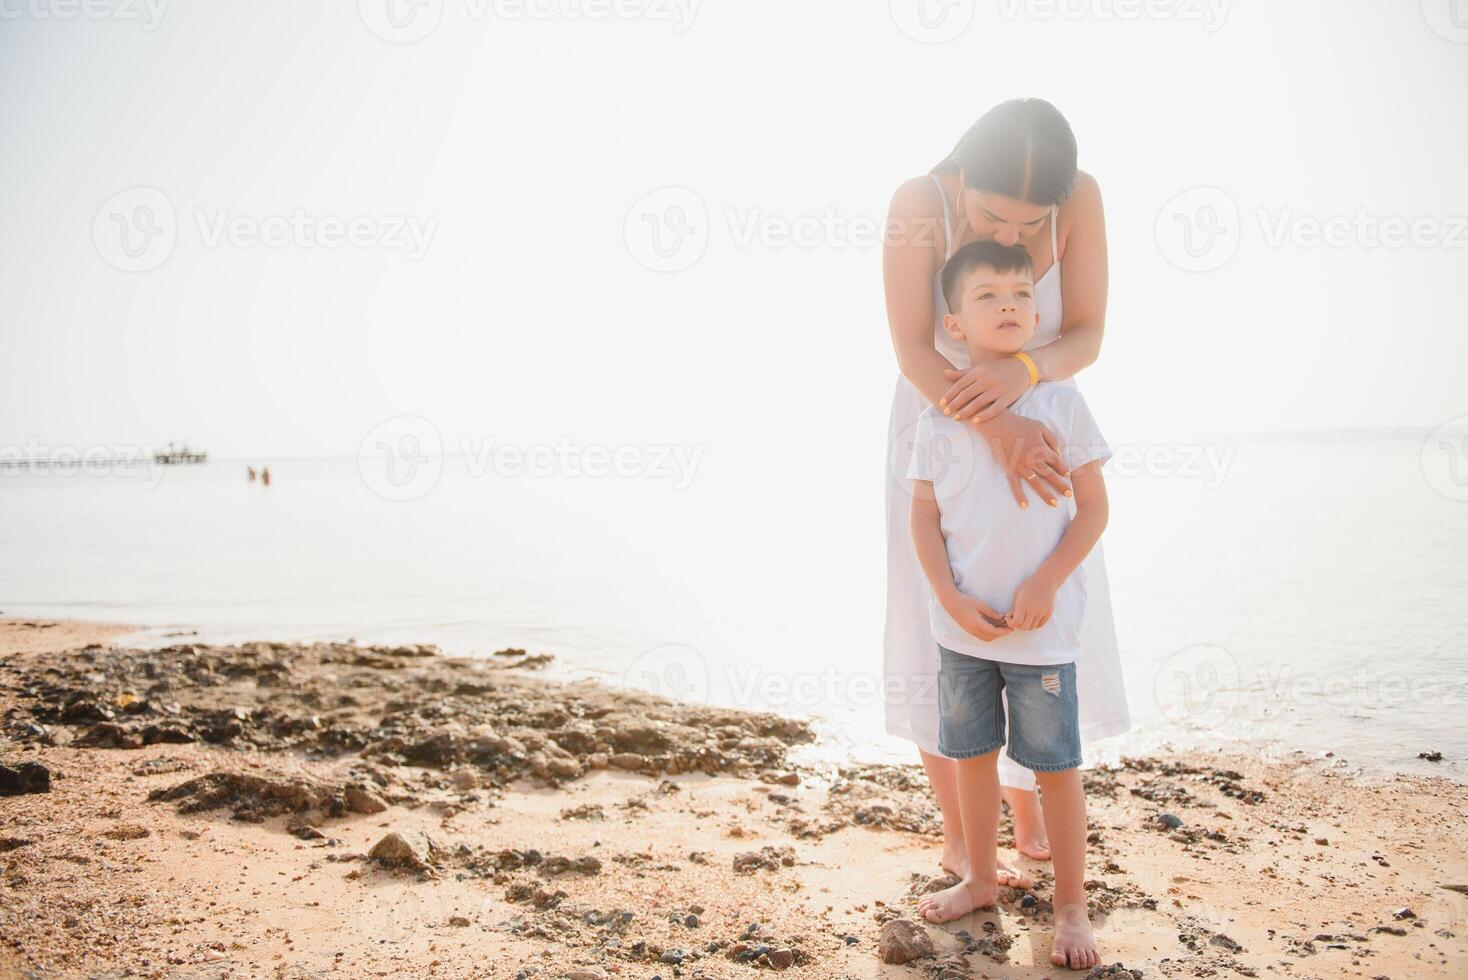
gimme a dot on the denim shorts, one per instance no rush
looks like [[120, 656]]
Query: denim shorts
[[1044, 727]]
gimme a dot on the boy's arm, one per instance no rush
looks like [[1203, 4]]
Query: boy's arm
[[1035, 598], [927, 539]]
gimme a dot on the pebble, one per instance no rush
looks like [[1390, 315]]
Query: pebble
[[901, 942], [27, 777], [405, 849]]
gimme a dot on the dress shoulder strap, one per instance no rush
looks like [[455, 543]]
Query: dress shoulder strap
[[947, 218], [1054, 220]]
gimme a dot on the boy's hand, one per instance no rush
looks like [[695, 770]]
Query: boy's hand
[[1034, 601], [976, 617]]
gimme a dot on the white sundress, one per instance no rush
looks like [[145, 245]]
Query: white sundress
[[910, 657]]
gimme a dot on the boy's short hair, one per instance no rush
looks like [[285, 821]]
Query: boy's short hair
[[983, 253]]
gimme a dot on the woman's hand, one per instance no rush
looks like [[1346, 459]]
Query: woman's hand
[[1029, 455], [984, 390]]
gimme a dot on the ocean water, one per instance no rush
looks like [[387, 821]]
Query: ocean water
[[1302, 593]]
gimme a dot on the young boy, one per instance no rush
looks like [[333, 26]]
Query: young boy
[[1008, 595]]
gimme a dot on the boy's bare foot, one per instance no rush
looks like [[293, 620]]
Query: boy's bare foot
[[958, 901], [1075, 944]]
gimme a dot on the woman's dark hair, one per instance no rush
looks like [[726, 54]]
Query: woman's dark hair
[[1022, 149]]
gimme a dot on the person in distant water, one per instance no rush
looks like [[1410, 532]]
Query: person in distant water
[[1007, 598], [250, 470], [265, 476]]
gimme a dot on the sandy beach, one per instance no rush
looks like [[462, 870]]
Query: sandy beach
[[288, 810]]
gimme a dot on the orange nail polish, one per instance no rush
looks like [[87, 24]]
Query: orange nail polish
[[1024, 505], [1052, 502], [1067, 493]]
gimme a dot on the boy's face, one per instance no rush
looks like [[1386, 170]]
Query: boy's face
[[996, 311]]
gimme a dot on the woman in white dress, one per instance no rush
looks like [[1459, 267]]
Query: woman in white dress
[[1011, 178]]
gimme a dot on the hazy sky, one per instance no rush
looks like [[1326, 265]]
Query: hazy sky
[[490, 174]]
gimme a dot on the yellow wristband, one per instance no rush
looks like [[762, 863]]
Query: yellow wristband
[[1029, 363]]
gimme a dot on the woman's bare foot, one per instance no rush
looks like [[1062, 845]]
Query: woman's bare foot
[[955, 858], [1029, 823], [1075, 944], [957, 865], [958, 901], [955, 862]]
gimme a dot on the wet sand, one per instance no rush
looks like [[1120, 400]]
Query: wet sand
[[215, 812]]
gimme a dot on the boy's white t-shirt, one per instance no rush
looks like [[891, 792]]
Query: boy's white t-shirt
[[993, 545]]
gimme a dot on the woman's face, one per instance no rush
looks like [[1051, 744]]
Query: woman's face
[[1004, 219]]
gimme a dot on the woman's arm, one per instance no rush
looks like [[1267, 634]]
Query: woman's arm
[[910, 251], [1082, 285]]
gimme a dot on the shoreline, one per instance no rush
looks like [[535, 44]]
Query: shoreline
[[212, 810], [834, 745]]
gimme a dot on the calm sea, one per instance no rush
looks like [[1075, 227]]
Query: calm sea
[[1302, 593]]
